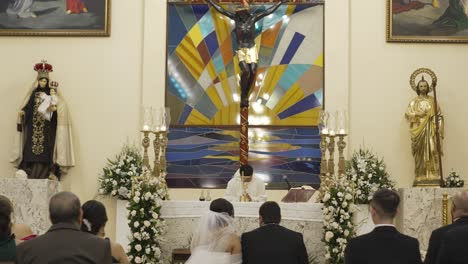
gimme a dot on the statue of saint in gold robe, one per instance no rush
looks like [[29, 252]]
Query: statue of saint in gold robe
[[421, 116]]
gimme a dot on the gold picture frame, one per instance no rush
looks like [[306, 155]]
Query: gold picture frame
[[427, 21], [55, 18]]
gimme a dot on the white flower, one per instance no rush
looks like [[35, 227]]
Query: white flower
[[133, 213], [136, 199], [147, 223], [136, 224], [334, 225], [348, 196], [148, 250], [346, 233], [327, 256], [114, 192], [123, 191], [138, 247], [148, 196], [344, 205], [137, 193], [326, 197], [155, 215], [328, 236], [340, 194], [138, 260]]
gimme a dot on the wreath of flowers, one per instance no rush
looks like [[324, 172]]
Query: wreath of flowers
[[116, 179], [337, 219], [146, 225], [454, 180], [368, 174]]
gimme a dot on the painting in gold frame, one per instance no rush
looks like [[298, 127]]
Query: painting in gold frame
[[427, 21], [55, 18]]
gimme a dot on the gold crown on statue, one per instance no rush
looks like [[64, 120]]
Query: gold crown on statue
[[43, 69]]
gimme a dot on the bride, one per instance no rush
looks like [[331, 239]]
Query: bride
[[215, 241]]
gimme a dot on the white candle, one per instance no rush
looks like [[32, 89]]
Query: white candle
[[325, 131], [157, 129], [332, 132], [163, 128], [342, 132], [145, 128]]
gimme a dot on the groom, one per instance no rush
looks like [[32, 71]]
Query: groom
[[272, 243]]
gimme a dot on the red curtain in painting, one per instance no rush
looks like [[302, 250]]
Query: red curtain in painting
[[75, 6]]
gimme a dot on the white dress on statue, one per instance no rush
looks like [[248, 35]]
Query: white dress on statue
[[211, 242], [255, 189]]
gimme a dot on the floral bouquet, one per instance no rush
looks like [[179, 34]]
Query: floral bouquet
[[116, 179], [144, 219], [368, 174], [454, 181], [337, 223]]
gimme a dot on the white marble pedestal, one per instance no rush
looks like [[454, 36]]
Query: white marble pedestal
[[421, 212], [182, 219], [30, 199]]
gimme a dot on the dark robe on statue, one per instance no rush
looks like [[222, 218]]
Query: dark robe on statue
[[39, 139]]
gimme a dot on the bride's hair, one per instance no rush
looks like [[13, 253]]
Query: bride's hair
[[221, 205], [215, 227]]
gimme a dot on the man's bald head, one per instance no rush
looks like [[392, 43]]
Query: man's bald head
[[64, 207], [460, 204]]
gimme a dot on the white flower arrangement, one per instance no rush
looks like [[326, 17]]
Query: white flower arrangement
[[454, 180], [338, 228], [146, 225], [368, 174], [116, 179]]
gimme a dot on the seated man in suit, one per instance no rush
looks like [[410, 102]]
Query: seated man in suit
[[64, 242], [272, 243], [384, 245], [460, 218], [454, 245]]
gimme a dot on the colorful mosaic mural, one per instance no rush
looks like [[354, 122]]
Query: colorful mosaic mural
[[208, 157], [203, 69]]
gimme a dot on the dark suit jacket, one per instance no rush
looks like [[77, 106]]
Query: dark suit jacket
[[454, 249], [435, 242], [64, 243], [273, 244], [384, 245]]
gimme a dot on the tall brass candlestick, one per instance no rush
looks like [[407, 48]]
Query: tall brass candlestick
[[341, 161], [331, 159], [163, 146], [157, 153], [145, 143], [323, 165]]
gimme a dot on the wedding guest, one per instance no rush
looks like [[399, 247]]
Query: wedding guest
[[22, 232], [384, 245], [460, 218], [215, 241], [64, 242], [7, 238], [272, 243], [94, 222], [453, 249]]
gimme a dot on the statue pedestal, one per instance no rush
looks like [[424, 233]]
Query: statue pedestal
[[421, 212], [362, 220], [30, 199]]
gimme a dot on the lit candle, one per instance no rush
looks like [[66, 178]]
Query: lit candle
[[332, 132], [325, 131], [163, 128], [342, 132], [145, 128]]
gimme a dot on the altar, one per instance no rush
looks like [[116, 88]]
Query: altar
[[182, 219]]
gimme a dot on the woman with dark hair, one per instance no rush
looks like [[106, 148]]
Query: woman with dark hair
[[94, 222], [215, 241], [7, 238]]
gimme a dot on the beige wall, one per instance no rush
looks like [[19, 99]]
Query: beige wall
[[380, 91], [106, 80]]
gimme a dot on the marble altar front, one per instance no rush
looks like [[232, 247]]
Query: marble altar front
[[182, 219], [30, 200]]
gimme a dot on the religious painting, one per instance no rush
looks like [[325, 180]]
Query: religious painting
[[55, 17], [427, 21], [203, 95]]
